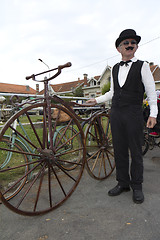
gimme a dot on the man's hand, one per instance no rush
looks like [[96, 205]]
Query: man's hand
[[151, 122], [91, 101]]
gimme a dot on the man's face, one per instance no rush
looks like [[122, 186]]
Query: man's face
[[127, 48]]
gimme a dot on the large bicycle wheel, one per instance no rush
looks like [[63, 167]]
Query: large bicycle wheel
[[8, 159], [48, 183], [99, 149]]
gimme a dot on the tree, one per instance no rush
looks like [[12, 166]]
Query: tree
[[78, 92], [106, 87]]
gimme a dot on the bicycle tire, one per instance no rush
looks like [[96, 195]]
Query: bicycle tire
[[50, 184]]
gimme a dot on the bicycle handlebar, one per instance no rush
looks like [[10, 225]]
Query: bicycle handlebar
[[69, 64], [59, 68]]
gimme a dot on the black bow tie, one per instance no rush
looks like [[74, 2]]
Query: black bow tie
[[126, 63]]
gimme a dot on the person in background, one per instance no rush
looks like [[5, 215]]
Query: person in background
[[156, 134], [130, 78]]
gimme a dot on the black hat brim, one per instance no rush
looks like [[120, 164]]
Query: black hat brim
[[120, 39]]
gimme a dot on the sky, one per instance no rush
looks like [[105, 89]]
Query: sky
[[82, 32]]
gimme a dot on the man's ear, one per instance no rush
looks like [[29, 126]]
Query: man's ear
[[118, 49]]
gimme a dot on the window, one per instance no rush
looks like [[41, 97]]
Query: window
[[93, 83]]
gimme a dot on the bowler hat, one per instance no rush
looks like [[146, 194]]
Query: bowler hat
[[128, 33]]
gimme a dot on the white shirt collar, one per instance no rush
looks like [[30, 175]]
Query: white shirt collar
[[134, 59]]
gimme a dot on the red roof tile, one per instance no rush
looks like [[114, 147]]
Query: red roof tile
[[68, 86], [14, 88]]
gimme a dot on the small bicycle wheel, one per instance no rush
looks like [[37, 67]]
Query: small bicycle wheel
[[99, 149], [8, 159], [48, 183]]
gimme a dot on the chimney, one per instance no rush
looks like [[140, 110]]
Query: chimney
[[85, 79], [27, 88], [37, 88]]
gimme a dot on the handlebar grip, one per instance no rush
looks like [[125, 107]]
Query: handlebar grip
[[69, 64], [29, 77]]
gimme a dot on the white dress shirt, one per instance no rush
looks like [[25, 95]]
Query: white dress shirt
[[147, 79]]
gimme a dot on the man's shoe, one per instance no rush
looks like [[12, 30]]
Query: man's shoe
[[138, 196], [117, 190]]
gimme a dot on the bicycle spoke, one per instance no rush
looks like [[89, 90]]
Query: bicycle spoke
[[100, 163], [35, 132], [109, 158], [29, 188], [19, 166], [63, 133], [58, 165], [21, 179], [58, 180], [95, 162], [25, 139], [72, 163], [94, 154], [68, 152], [40, 185], [104, 163], [20, 152], [67, 141], [49, 185]]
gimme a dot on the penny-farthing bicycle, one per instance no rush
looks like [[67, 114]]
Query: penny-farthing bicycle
[[49, 164]]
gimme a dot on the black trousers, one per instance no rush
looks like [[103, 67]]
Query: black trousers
[[127, 135]]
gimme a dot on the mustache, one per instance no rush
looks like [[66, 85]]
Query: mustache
[[130, 48]]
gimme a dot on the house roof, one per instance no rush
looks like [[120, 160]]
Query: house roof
[[155, 69], [67, 86], [14, 88], [108, 68], [94, 78]]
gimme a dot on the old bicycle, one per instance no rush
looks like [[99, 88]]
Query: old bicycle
[[52, 164], [149, 141]]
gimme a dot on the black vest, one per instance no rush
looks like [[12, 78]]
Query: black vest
[[131, 93]]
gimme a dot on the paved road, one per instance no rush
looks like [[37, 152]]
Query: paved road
[[90, 214]]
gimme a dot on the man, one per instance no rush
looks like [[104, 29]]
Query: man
[[130, 79]]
